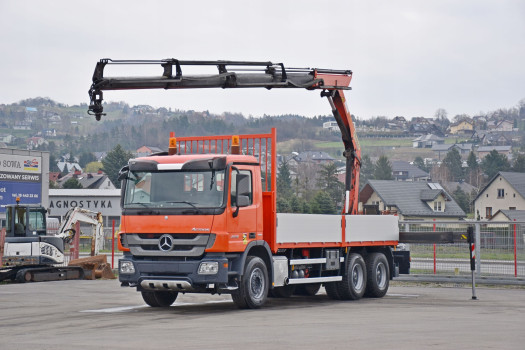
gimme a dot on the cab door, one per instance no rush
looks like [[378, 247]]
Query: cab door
[[242, 221]]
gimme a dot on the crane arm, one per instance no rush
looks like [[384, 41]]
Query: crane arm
[[244, 74]]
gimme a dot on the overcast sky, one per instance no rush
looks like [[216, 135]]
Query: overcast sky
[[408, 57]]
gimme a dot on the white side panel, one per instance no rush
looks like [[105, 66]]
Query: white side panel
[[17, 249], [301, 228], [363, 228]]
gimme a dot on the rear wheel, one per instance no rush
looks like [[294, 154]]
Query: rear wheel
[[378, 273], [353, 285], [253, 288], [159, 299]]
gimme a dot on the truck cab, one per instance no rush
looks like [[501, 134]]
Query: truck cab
[[187, 219]]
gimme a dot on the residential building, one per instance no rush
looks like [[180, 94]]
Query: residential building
[[147, 150], [89, 180], [483, 151], [440, 151], [427, 141], [332, 126], [68, 167], [34, 142], [504, 125], [464, 127], [313, 156], [505, 191], [410, 200], [509, 215], [404, 171], [7, 138]]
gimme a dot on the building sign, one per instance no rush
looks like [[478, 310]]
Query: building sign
[[20, 164], [108, 205], [20, 176]]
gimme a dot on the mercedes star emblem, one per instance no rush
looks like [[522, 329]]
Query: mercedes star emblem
[[165, 243]]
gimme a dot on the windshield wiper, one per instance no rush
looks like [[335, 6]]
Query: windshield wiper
[[185, 202]]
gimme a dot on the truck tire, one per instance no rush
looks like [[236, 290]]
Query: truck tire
[[308, 289], [332, 290], [353, 285], [378, 275], [253, 288], [159, 299]]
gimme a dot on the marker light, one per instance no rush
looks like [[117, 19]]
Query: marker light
[[173, 144], [235, 149]]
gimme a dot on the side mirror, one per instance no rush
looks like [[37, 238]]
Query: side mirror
[[123, 173], [242, 191]]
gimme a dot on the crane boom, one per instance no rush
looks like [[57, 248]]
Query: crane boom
[[245, 74]]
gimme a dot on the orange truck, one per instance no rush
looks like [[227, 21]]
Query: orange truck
[[201, 218]]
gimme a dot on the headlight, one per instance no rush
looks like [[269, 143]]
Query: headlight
[[208, 268], [126, 267]]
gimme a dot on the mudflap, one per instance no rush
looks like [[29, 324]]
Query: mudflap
[[43, 274]]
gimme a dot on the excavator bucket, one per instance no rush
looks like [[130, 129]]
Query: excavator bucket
[[94, 267]]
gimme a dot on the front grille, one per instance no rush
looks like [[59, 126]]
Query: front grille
[[184, 245]]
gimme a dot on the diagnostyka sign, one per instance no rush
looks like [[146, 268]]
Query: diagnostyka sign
[[20, 176]]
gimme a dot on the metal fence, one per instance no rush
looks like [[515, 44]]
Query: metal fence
[[499, 249]]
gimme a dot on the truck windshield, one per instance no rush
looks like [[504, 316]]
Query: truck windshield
[[175, 189]]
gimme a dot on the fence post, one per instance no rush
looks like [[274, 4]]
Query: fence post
[[113, 244], [478, 250], [515, 252], [435, 267]]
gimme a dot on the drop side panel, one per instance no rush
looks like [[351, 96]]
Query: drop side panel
[[370, 228], [308, 228]]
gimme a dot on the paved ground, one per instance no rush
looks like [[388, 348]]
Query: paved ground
[[102, 315]]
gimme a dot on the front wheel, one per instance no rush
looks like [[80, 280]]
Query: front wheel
[[253, 288], [159, 299]]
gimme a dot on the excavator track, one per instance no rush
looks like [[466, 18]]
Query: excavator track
[[42, 274]]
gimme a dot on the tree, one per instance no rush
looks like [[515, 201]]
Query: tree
[[93, 167], [519, 164], [462, 199], [323, 204], [53, 167], [441, 119], [494, 162], [330, 184], [420, 163], [114, 161], [473, 170], [367, 170], [85, 158], [452, 162], [284, 181], [72, 183], [383, 169]]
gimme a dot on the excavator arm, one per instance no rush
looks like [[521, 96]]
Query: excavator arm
[[86, 216], [244, 74]]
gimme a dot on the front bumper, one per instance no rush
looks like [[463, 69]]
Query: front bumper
[[181, 276]]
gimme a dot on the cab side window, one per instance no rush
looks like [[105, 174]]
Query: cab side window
[[233, 189]]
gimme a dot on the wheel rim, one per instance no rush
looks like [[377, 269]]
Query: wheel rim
[[381, 275], [257, 283], [357, 277]]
